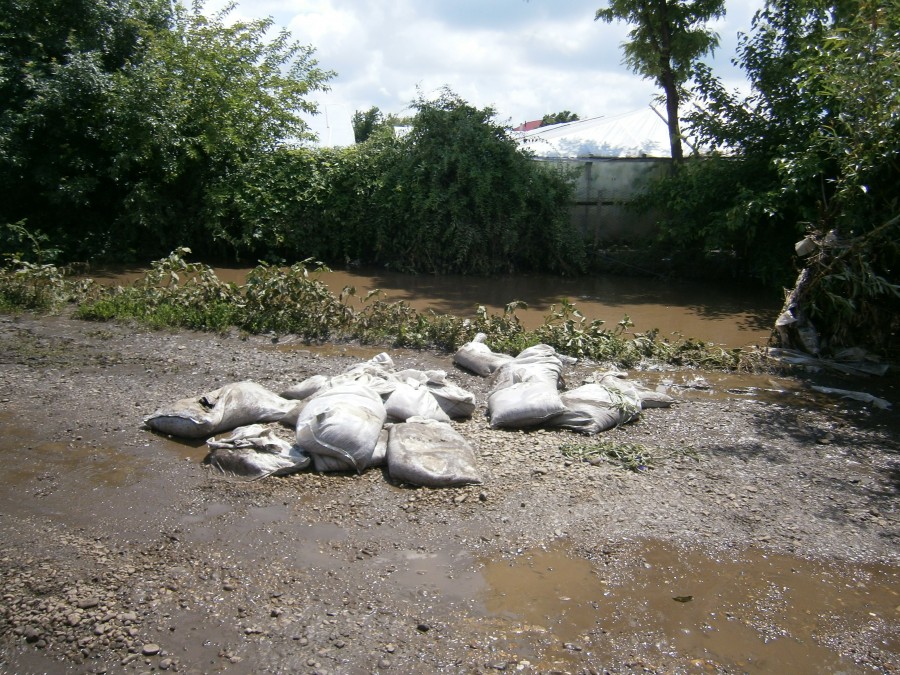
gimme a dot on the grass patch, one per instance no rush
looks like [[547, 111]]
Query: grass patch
[[629, 456]]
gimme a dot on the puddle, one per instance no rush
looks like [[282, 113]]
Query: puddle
[[28, 461], [722, 387], [750, 612]]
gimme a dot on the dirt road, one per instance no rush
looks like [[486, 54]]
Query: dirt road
[[763, 539]]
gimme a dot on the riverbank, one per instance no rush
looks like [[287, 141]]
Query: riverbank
[[767, 529]]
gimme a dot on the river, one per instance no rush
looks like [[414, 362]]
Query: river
[[714, 312]]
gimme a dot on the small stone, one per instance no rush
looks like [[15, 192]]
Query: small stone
[[32, 634], [73, 619], [384, 663], [88, 603], [150, 649], [165, 664]]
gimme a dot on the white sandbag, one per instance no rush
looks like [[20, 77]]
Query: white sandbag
[[307, 388], [541, 350], [524, 404], [547, 369], [339, 427], [634, 392], [592, 408], [627, 390], [651, 398], [455, 401], [431, 454], [234, 405], [255, 451], [413, 400], [379, 454], [477, 357]]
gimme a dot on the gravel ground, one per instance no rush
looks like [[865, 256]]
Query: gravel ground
[[122, 552]]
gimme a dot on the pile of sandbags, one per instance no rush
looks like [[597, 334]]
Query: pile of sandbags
[[529, 391], [352, 421]]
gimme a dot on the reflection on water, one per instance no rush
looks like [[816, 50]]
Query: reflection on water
[[711, 312]]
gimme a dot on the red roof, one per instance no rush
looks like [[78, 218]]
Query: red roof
[[528, 126]]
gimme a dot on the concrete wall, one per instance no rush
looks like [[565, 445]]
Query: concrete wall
[[603, 190]]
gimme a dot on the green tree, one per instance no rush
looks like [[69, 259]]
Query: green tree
[[365, 122], [559, 118], [813, 150], [124, 122], [463, 198], [665, 42]]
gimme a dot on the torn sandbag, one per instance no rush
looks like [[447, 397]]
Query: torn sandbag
[[255, 451], [413, 400], [431, 454], [477, 357], [523, 405], [593, 408], [339, 427], [223, 409]]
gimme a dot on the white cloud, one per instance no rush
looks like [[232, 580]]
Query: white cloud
[[525, 58]]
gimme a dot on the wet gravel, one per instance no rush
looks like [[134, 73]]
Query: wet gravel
[[123, 553]]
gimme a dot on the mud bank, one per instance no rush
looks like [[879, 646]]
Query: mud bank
[[764, 538]]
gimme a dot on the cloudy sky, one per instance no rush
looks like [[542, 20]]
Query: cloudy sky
[[524, 58]]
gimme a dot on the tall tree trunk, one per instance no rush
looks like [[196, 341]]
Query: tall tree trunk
[[667, 79]]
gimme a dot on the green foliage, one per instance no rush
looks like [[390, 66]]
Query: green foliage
[[463, 198], [455, 195], [814, 149], [365, 122], [665, 42], [123, 122], [559, 118], [634, 457], [295, 301]]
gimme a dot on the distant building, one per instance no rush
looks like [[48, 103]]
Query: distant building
[[641, 133]]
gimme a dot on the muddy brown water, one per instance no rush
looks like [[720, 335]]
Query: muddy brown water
[[728, 315]]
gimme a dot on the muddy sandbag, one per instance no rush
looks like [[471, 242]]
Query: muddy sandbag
[[524, 404], [234, 405], [339, 427], [593, 408], [431, 454], [307, 388], [255, 451], [477, 357], [413, 400]]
